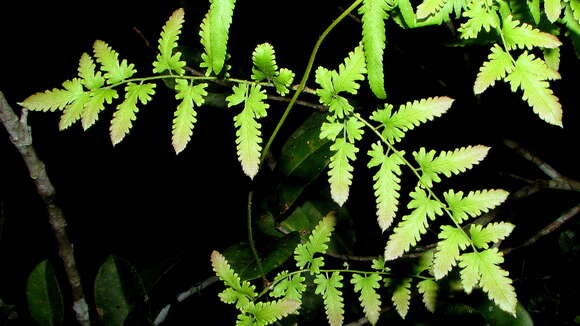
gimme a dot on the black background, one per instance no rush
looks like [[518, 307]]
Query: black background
[[142, 202]]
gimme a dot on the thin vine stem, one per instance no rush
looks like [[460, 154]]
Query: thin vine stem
[[417, 174], [289, 107]]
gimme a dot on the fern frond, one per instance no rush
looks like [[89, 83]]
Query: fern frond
[[56, 99], [498, 65], [91, 80], [410, 115], [126, 111], [530, 74], [429, 7], [491, 233], [387, 184], [167, 60], [552, 58], [290, 287], [264, 58], [238, 292], [185, 115], [350, 72], [429, 288], [474, 204], [482, 268], [402, 297], [115, 70], [480, 16], [374, 13], [522, 36], [331, 129], [369, 298], [96, 104], [448, 163], [453, 240], [329, 288], [317, 243], [214, 34], [340, 172], [575, 9], [73, 111], [344, 80], [408, 232], [553, 9], [266, 313], [283, 81], [248, 134]]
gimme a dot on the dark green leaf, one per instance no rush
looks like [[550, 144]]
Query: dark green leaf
[[497, 317], [44, 297], [118, 289], [242, 260]]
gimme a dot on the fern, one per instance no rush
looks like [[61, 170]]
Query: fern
[[317, 243], [482, 268], [340, 173], [386, 184], [453, 240], [480, 16], [248, 134], [369, 298], [167, 60], [238, 292], [522, 35], [413, 225], [290, 287], [553, 9], [56, 99], [447, 163], [91, 78], [409, 116], [185, 116], [497, 67], [266, 313], [474, 204], [374, 13], [329, 288], [402, 297], [126, 111], [429, 7], [115, 71], [530, 75], [491, 233], [265, 68], [73, 111], [96, 104], [428, 288], [214, 34]]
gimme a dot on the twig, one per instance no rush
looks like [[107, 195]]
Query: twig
[[182, 296], [548, 229], [20, 135], [545, 167]]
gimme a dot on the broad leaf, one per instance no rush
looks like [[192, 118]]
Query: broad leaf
[[43, 296]]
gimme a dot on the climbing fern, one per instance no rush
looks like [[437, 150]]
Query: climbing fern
[[523, 53]]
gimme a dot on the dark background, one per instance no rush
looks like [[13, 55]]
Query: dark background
[[142, 202]]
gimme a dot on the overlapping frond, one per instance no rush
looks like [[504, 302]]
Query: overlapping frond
[[214, 34], [127, 111], [317, 243], [374, 13], [184, 117], [402, 297], [115, 70], [447, 163], [498, 65], [409, 116], [168, 59], [429, 289], [248, 134], [237, 292], [369, 299], [330, 289], [524, 36], [265, 68], [448, 250]]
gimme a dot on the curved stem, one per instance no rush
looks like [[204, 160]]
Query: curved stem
[[304, 79], [289, 107]]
